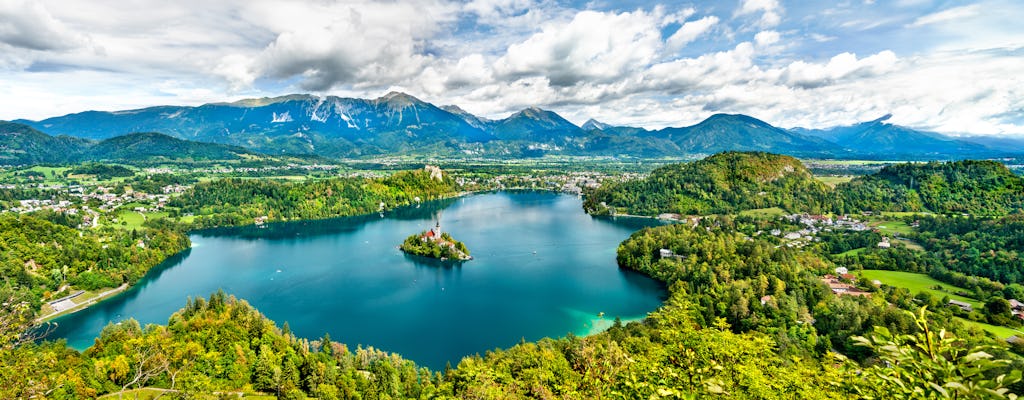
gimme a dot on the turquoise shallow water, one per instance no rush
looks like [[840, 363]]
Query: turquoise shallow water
[[542, 267]]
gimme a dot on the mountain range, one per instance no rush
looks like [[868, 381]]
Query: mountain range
[[398, 123]]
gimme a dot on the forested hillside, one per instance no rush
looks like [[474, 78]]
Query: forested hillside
[[722, 183], [974, 187], [736, 181], [239, 201], [40, 259]]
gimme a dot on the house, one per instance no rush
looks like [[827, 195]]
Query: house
[[963, 306], [884, 244], [665, 253], [765, 299], [842, 270], [792, 236], [1016, 305]]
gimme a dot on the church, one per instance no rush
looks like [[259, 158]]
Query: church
[[434, 234]]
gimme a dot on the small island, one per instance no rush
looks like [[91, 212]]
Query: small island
[[436, 244]]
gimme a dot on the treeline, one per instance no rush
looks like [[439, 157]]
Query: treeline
[[101, 171], [238, 201], [723, 183], [735, 181], [39, 257]]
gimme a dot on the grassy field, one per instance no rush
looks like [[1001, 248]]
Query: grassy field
[[764, 212], [919, 283], [832, 181], [852, 252], [892, 227], [129, 219], [999, 331], [910, 244]]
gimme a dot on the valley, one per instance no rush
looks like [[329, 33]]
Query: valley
[[742, 200]]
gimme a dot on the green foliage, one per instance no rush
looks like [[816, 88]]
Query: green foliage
[[723, 183], [930, 365], [446, 248], [101, 171], [974, 187], [238, 201], [31, 249]]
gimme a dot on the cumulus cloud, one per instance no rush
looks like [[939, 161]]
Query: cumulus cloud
[[771, 11], [843, 66], [357, 46], [29, 25], [593, 46]]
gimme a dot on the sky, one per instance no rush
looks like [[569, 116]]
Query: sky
[[954, 67]]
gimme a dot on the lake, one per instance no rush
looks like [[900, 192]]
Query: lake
[[542, 268]]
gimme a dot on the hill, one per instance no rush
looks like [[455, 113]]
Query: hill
[[969, 186], [151, 145], [21, 144], [722, 183]]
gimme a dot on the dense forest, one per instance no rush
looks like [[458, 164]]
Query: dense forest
[[736, 181], [722, 183], [239, 201], [43, 259], [975, 187]]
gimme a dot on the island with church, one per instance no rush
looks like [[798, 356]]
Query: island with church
[[436, 244]]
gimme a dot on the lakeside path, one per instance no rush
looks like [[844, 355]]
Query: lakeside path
[[88, 302]]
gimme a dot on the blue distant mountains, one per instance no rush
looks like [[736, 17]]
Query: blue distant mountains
[[400, 124]]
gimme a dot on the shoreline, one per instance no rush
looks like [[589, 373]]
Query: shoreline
[[81, 306]]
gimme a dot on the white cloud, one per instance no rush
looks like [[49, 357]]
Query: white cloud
[[690, 31], [594, 46], [766, 38], [951, 14], [771, 11], [29, 25], [845, 65], [364, 46]]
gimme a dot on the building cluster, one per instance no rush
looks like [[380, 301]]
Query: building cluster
[[844, 283], [814, 224]]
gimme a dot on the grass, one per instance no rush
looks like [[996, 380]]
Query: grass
[[129, 219], [893, 227], [999, 331], [910, 244], [852, 252], [919, 283], [763, 212], [832, 181]]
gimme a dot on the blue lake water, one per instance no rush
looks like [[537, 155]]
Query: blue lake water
[[542, 268]]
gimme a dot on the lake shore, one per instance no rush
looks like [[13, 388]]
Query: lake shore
[[87, 300]]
